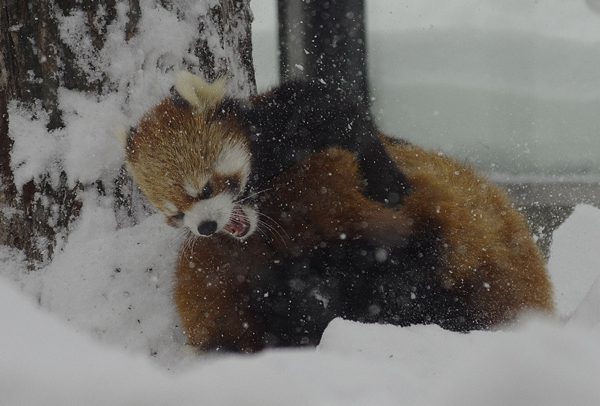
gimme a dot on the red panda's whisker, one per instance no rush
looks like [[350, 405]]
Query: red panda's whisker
[[253, 195], [264, 234], [178, 237], [274, 227]]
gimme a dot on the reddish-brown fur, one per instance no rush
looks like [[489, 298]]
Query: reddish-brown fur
[[488, 254], [466, 248], [161, 167]]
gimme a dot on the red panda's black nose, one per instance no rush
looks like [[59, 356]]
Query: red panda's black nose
[[207, 228]]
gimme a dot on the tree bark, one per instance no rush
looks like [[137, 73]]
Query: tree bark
[[36, 62]]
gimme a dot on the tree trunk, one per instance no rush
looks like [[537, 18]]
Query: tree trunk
[[324, 40], [52, 46]]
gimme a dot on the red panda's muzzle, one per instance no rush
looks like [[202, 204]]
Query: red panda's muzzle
[[238, 224]]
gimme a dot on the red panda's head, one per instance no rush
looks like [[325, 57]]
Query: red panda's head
[[192, 161]]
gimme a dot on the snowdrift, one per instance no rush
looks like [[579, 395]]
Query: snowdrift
[[112, 338]]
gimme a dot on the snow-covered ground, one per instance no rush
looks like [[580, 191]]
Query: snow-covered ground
[[97, 327]]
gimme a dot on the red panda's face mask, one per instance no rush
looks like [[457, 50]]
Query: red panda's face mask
[[192, 164], [213, 201]]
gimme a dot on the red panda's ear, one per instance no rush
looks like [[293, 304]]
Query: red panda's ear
[[199, 93]]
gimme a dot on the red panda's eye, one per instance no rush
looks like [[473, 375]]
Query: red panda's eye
[[178, 216], [206, 192], [234, 185]]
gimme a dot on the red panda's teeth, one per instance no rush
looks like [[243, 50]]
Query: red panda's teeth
[[238, 225]]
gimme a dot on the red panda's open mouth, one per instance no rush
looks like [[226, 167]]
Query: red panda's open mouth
[[238, 224]]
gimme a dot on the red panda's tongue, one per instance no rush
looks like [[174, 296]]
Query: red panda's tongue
[[238, 224]]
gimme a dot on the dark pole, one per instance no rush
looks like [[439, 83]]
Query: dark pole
[[324, 39]]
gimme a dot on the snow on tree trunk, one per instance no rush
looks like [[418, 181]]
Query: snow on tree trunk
[[69, 73]]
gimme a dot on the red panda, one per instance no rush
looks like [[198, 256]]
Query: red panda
[[201, 158], [432, 242]]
